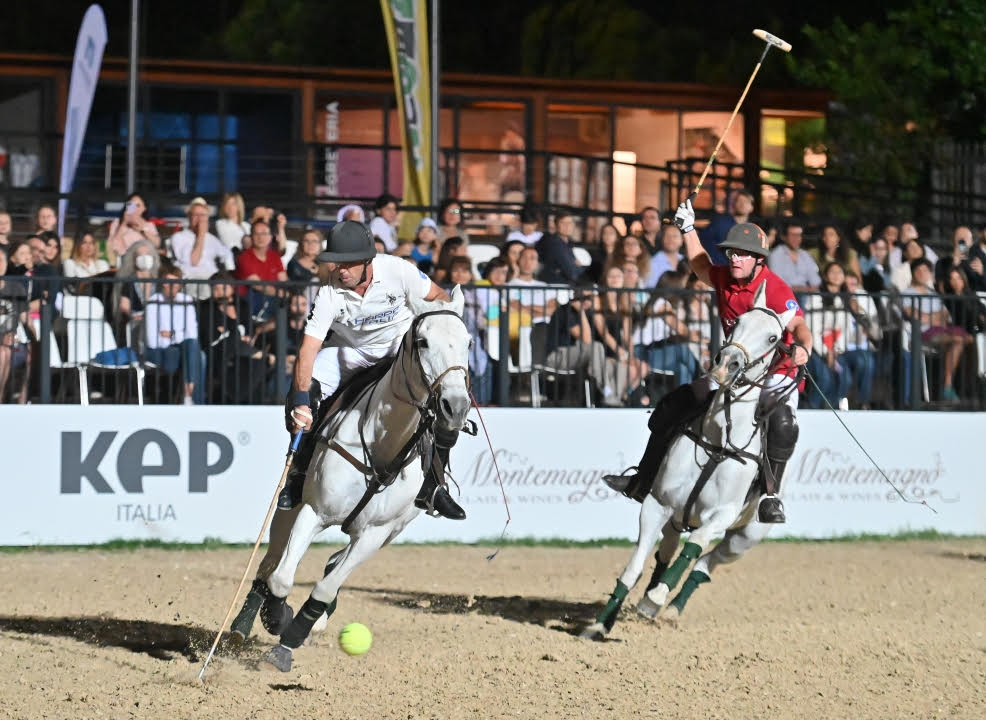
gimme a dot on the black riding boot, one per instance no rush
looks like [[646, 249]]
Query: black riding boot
[[771, 509], [676, 409], [434, 495], [290, 494]]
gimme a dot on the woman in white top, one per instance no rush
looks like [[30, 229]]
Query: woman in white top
[[232, 225], [84, 261], [131, 227]]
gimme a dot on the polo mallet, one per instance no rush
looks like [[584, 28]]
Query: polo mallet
[[772, 41], [295, 442]]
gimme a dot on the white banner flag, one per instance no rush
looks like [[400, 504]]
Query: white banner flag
[[82, 87]]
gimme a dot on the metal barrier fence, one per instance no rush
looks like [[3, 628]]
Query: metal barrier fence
[[143, 340]]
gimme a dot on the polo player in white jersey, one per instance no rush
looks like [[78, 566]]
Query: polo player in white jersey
[[361, 314]]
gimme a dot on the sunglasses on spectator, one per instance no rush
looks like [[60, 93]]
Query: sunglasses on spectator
[[731, 253]]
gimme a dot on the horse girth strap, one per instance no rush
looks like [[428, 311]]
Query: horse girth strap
[[711, 464], [372, 488]]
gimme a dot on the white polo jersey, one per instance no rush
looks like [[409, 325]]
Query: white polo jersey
[[380, 317]]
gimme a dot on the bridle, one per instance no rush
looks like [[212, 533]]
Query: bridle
[[739, 379], [415, 352]]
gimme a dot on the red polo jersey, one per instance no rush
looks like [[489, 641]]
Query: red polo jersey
[[734, 299]]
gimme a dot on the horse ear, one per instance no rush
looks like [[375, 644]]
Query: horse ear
[[787, 316], [417, 305], [760, 296], [458, 300]]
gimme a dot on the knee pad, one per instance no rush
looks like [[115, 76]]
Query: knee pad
[[782, 434]]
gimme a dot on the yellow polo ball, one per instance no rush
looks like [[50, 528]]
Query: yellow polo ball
[[355, 639]]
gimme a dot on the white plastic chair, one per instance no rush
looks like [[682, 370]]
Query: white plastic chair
[[480, 253]]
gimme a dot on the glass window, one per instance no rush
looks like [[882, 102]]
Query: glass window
[[700, 134], [643, 137], [23, 159], [260, 126], [182, 114], [579, 130]]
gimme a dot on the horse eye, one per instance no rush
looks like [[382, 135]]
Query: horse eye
[[773, 339], [421, 342]]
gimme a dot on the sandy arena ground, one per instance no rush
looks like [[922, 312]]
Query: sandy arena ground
[[864, 630]]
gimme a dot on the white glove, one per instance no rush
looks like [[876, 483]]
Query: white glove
[[302, 417], [684, 218]]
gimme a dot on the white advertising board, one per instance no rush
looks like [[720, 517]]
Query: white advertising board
[[77, 475]]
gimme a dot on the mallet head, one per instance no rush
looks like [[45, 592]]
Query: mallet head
[[773, 40]]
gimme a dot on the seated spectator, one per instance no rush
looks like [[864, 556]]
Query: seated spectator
[[139, 268], [739, 208], [277, 222], [451, 248], [46, 219], [302, 267], [876, 267], [863, 336], [860, 233], [964, 257], [15, 333], [198, 253], [669, 257], [231, 225], [6, 225], [900, 276], [172, 334], [571, 345], [533, 301], [611, 326], [602, 252], [131, 226], [451, 221], [937, 328], [662, 337], [384, 225], [52, 253], [510, 253], [631, 250], [789, 261], [650, 231], [888, 231], [298, 306], [237, 370], [963, 305], [698, 318], [474, 316], [908, 232], [528, 233], [426, 246], [84, 261], [27, 259], [827, 317], [832, 248], [351, 212], [558, 266], [260, 263]]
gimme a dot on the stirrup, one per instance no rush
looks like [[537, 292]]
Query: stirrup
[[770, 510], [622, 482], [430, 503]]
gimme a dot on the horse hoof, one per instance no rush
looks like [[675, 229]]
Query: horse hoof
[[648, 608], [278, 656], [276, 617], [671, 616], [596, 631], [321, 623]]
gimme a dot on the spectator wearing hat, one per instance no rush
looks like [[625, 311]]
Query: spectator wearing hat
[[384, 225], [427, 246], [198, 253], [351, 212]]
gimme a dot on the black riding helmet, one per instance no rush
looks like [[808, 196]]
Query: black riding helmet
[[349, 241], [747, 237]]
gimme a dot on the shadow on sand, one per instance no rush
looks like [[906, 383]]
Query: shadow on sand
[[162, 641]]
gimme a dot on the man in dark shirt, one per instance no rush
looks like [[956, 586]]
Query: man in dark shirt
[[558, 266]]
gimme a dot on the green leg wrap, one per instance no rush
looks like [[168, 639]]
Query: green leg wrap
[[695, 578], [608, 616], [243, 622], [673, 574]]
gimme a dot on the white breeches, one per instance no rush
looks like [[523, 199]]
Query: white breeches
[[335, 365]]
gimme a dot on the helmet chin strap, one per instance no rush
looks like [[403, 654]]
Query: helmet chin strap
[[362, 277], [756, 266]]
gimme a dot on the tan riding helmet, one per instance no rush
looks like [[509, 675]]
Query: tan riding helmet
[[748, 238]]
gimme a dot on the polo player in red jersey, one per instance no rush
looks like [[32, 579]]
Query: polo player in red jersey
[[746, 249]]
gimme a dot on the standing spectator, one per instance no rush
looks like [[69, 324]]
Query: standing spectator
[[84, 261], [528, 233], [259, 263], [198, 253], [474, 317], [900, 276], [46, 219], [5, 227], [740, 207], [302, 267], [231, 226], [426, 245], [278, 223], [792, 264], [936, 325], [609, 238], [827, 317], [862, 337], [669, 257], [876, 267], [172, 334], [351, 212], [964, 257], [384, 225], [650, 229], [131, 226], [450, 220], [832, 248], [139, 268], [558, 264]]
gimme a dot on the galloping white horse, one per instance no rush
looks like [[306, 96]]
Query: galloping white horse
[[723, 446], [428, 382]]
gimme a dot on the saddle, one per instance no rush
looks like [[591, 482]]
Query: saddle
[[331, 410]]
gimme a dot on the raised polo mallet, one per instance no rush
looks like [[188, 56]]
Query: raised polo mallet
[[772, 41]]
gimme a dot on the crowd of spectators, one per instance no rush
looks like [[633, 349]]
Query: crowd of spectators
[[617, 305]]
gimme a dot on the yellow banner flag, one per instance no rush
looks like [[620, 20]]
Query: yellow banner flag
[[406, 22]]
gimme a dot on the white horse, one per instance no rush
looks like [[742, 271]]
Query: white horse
[[379, 436], [723, 446]]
